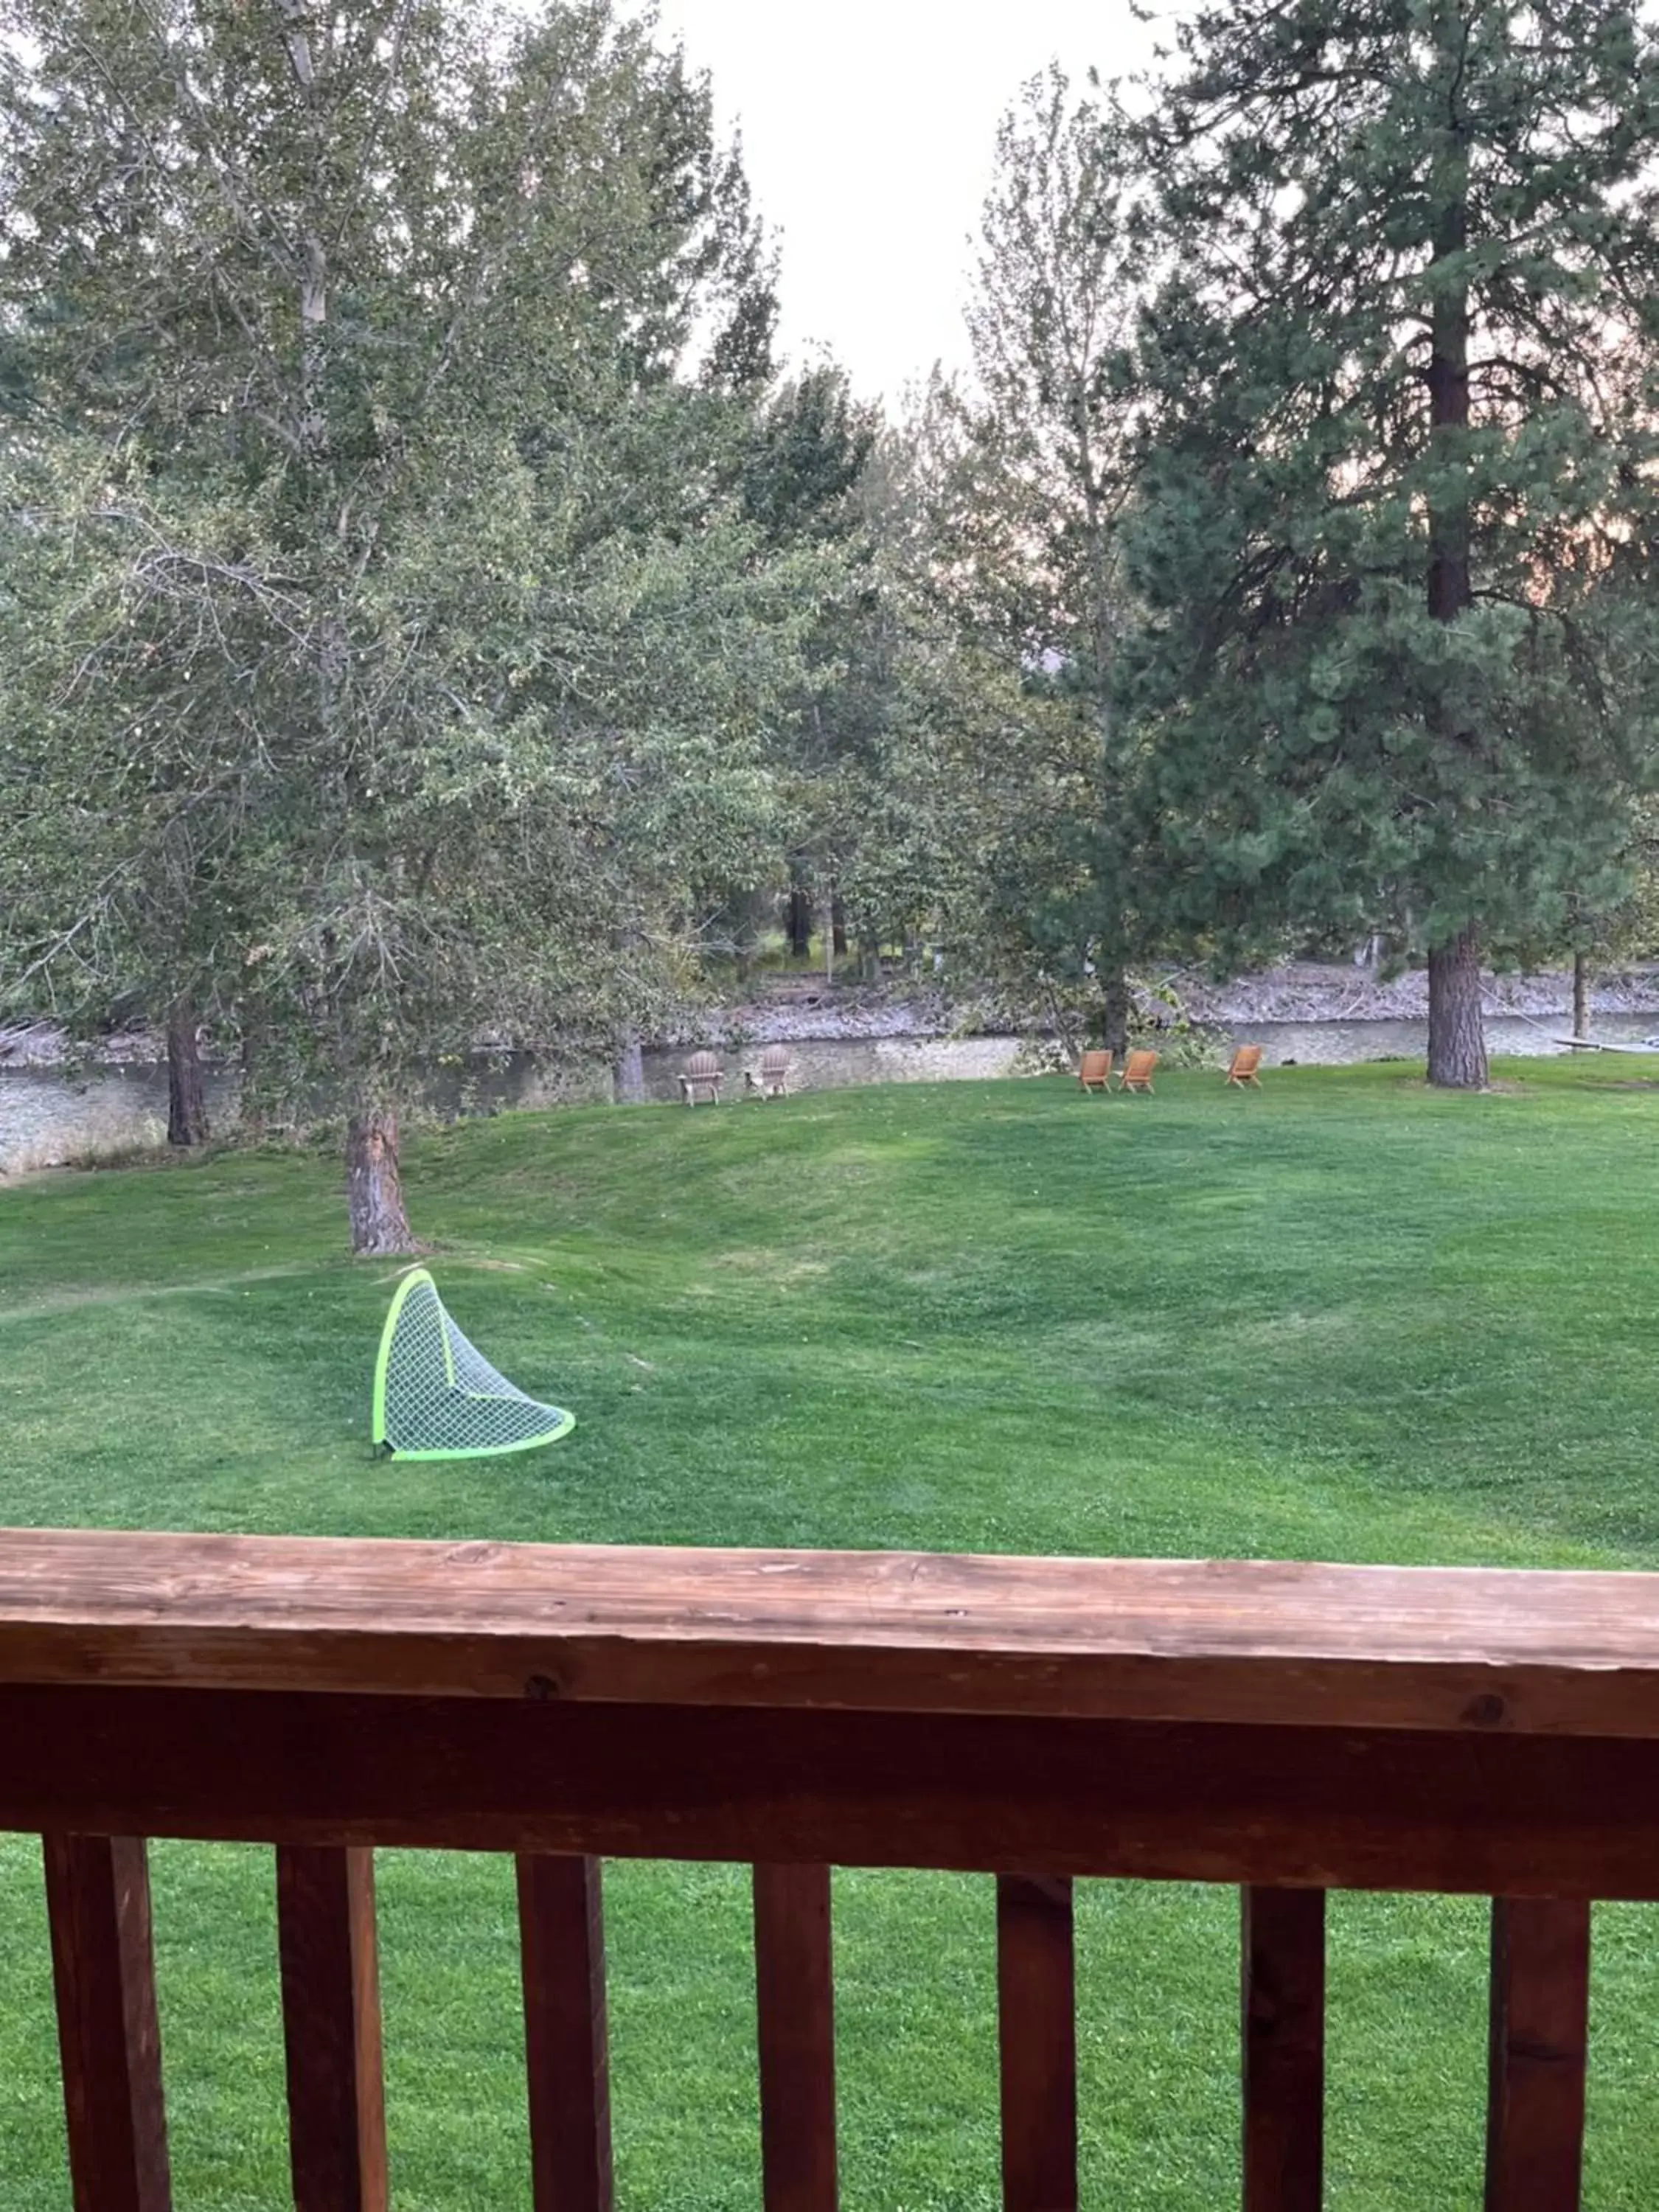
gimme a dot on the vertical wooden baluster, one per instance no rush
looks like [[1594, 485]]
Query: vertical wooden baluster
[[561, 1939], [98, 1900], [331, 2027], [1038, 2042], [1036, 2034], [795, 2007], [1540, 2023], [1283, 2049]]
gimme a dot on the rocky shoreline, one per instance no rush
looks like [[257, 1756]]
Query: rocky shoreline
[[796, 1009], [1304, 991]]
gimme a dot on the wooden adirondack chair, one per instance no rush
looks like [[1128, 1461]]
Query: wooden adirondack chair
[[702, 1080], [773, 1081], [1138, 1071], [1096, 1072], [1243, 1065]]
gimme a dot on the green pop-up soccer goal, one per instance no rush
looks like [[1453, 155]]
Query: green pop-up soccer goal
[[437, 1397]]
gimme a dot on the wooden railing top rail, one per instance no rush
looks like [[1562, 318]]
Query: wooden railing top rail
[[1238, 1642]]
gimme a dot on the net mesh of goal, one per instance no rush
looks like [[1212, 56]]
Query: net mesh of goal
[[436, 1395]]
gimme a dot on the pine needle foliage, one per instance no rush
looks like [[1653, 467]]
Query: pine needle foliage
[[1396, 518]]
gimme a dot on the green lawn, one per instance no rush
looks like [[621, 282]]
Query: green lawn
[[1343, 1318]]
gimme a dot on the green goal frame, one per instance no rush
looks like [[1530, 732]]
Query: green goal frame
[[418, 1279]]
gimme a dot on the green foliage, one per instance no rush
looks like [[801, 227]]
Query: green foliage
[[1049, 417], [1029, 548], [806, 454], [865, 801], [1625, 926], [1394, 516], [395, 647]]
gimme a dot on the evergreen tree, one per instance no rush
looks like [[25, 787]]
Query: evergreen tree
[[1393, 523]]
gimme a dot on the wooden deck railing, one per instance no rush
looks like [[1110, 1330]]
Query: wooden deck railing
[[1286, 1729]]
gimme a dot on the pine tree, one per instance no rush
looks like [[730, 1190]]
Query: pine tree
[[1395, 514]]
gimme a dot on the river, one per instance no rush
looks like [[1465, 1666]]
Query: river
[[47, 1117]]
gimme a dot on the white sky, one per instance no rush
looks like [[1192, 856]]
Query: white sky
[[868, 130]]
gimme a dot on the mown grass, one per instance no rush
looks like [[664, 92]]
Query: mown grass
[[1346, 1318]]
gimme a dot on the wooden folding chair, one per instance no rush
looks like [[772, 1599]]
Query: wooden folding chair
[[1096, 1072], [1243, 1065], [1138, 1071]]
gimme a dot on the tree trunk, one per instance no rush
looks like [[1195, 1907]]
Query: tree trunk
[[869, 959], [1114, 1011], [627, 1070], [1457, 1042], [188, 1117], [831, 947], [1580, 995], [838, 927], [800, 923], [374, 1192], [746, 932], [1457, 1039]]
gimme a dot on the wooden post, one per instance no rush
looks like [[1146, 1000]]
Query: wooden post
[[561, 1942], [1539, 2024], [1036, 2034], [795, 2015], [1283, 2049], [331, 2027], [98, 1901]]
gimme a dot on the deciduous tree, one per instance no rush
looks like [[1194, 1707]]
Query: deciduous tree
[[399, 347], [1046, 470]]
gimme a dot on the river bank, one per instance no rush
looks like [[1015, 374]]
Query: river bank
[[789, 1009], [56, 1106]]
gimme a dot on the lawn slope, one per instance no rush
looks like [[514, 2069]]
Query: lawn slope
[[1343, 1318]]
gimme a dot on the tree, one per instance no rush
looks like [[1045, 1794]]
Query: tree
[[401, 554], [1399, 464], [113, 835], [891, 822], [967, 800], [1629, 928], [1046, 473], [801, 485]]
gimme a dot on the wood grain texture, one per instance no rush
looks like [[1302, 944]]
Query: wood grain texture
[[1037, 2039], [98, 1901], [561, 1944], [1283, 2049], [1302, 1807], [1477, 1651], [1535, 2087], [331, 2028], [795, 2026]]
